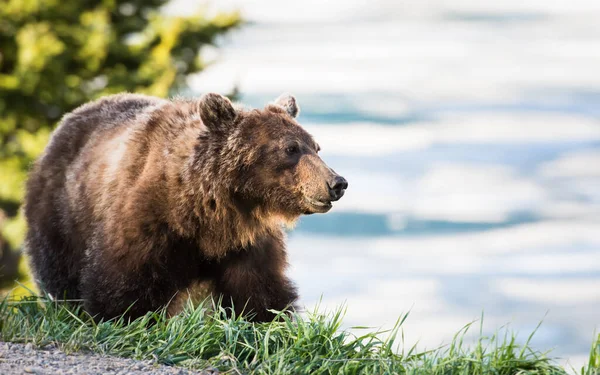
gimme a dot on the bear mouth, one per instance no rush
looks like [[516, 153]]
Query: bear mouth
[[317, 206]]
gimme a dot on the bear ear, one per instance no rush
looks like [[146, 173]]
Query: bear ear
[[216, 112], [288, 102]]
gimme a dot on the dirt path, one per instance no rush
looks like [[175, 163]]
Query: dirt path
[[25, 359]]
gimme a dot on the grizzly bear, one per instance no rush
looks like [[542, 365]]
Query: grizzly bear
[[139, 203]]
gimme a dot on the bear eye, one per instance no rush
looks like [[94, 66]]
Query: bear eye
[[292, 149]]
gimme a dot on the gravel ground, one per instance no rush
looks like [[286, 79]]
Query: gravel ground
[[26, 359]]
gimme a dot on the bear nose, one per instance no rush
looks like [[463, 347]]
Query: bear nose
[[337, 188]]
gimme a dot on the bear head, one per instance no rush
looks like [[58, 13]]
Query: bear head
[[267, 160]]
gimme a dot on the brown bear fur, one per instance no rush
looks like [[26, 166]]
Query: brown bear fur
[[137, 200]]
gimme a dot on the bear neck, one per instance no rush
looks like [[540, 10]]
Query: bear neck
[[221, 219]]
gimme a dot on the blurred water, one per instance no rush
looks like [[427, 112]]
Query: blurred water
[[469, 132]]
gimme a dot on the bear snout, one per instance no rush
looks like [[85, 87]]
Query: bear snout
[[337, 188]]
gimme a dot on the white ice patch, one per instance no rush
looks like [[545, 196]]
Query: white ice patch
[[533, 238], [551, 292], [367, 139], [454, 192], [576, 164], [286, 12], [448, 192], [435, 61], [526, 238]]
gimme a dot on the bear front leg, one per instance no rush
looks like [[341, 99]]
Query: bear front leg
[[253, 279]]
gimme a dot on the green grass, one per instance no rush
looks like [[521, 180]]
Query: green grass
[[308, 344]]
